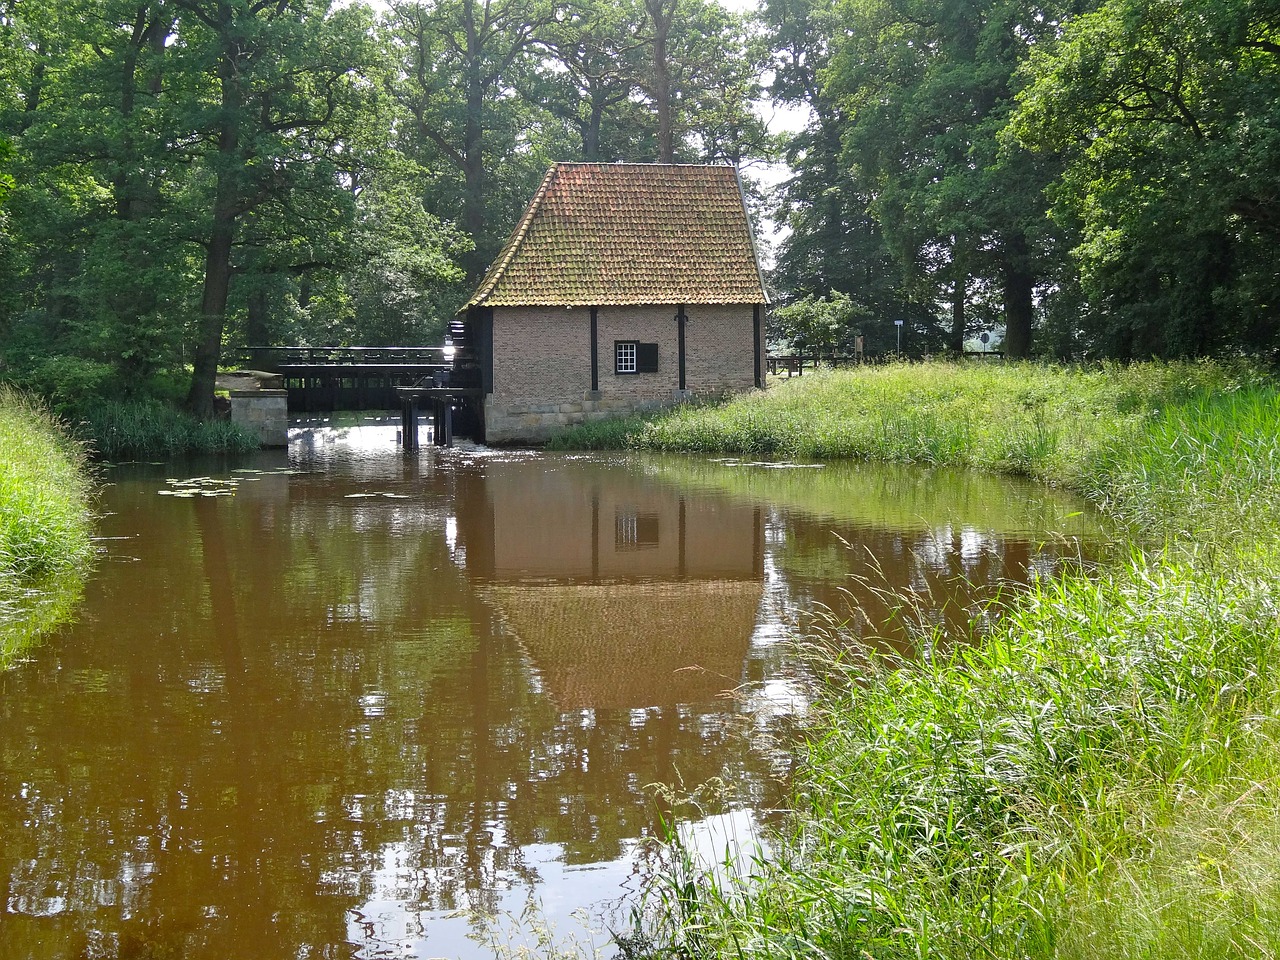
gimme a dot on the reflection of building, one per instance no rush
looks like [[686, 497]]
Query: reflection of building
[[625, 593]]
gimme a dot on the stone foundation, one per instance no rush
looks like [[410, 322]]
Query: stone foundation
[[264, 413], [519, 423]]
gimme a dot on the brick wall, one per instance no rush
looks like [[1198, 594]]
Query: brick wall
[[542, 363], [719, 349], [541, 354]]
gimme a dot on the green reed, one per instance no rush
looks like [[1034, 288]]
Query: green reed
[[45, 522], [153, 428], [1094, 774]]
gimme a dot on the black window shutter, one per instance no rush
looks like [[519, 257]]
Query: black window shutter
[[646, 358]]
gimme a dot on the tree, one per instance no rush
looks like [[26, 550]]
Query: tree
[[97, 272], [701, 77], [834, 243], [1166, 114], [927, 88], [589, 78], [825, 326], [401, 279], [283, 79], [460, 66]]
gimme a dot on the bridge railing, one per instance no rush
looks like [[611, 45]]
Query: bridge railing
[[271, 359]]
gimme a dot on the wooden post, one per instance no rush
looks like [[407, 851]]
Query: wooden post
[[758, 345], [595, 349], [680, 322], [409, 422]]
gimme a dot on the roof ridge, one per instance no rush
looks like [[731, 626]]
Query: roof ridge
[[641, 163], [508, 252]]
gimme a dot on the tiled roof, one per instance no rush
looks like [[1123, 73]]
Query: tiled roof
[[615, 234]]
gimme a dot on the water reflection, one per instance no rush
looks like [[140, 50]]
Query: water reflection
[[323, 716]]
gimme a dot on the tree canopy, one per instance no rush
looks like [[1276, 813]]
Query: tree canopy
[[1081, 178]]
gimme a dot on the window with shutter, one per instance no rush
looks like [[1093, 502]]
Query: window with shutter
[[631, 356]]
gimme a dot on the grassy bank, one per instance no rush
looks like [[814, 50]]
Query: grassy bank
[[1098, 775], [45, 523], [120, 418]]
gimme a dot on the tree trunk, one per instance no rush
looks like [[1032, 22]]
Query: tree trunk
[[256, 332], [1019, 303], [591, 129], [661, 15], [213, 312], [473, 205], [959, 294], [217, 264]]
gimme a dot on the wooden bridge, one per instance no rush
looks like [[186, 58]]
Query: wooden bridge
[[443, 380], [320, 379]]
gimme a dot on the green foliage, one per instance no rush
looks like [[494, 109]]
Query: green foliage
[[834, 242], [609, 433], [70, 383], [1165, 114], [926, 90], [45, 522], [6, 180], [825, 326], [117, 430]]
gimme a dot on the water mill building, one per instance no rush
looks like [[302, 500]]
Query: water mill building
[[623, 286]]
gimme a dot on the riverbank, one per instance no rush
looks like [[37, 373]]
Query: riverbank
[[1096, 774], [45, 523]]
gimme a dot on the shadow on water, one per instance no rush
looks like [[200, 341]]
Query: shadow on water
[[357, 696]]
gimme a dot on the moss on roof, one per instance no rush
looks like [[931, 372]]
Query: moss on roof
[[626, 234]]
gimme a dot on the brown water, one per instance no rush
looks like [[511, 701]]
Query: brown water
[[368, 699]]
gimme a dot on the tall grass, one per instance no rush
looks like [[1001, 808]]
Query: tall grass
[[1095, 775], [45, 522], [1038, 421], [153, 428]]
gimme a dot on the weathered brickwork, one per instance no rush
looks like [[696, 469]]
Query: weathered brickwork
[[647, 325], [541, 355], [542, 363], [719, 349]]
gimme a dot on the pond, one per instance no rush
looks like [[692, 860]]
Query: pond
[[355, 702]]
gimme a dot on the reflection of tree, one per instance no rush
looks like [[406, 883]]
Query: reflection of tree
[[942, 575]]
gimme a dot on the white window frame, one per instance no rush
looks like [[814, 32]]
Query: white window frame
[[626, 356]]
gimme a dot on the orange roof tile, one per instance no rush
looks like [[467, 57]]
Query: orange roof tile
[[615, 234]]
